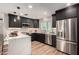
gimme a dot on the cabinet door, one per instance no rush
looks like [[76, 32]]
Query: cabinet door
[[65, 13], [53, 20], [13, 21], [42, 38], [36, 23], [24, 20], [38, 37], [54, 40], [28, 21], [34, 37]]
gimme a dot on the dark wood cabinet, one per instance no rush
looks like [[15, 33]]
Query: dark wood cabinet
[[54, 41], [54, 20], [27, 21], [14, 22], [68, 12], [36, 23], [41, 38], [38, 37]]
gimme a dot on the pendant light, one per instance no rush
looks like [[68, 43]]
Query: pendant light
[[18, 17], [14, 20]]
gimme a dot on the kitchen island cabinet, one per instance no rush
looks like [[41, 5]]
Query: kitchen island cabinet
[[19, 45]]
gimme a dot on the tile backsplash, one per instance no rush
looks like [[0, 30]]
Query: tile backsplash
[[29, 30]]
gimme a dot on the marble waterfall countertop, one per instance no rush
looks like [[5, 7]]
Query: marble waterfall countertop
[[18, 45]]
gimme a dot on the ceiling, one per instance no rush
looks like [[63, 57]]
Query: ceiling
[[38, 10]]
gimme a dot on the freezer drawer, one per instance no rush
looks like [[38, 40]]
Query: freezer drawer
[[72, 49], [67, 47], [62, 46]]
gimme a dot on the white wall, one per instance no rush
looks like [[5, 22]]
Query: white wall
[[6, 23], [1, 23]]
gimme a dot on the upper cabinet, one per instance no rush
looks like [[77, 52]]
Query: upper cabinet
[[36, 23], [53, 20], [32, 23], [27, 21], [14, 22], [23, 21], [68, 12]]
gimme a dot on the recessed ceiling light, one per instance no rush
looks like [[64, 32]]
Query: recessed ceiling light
[[14, 12], [68, 4], [18, 7], [29, 6]]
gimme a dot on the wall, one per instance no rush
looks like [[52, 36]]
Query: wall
[[4, 23], [1, 26]]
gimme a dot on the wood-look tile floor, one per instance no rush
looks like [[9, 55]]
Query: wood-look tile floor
[[39, 48]]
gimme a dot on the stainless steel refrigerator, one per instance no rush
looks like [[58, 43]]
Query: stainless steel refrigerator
[[66, 35]]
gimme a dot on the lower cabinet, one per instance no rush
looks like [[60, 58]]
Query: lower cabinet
[[38, 37], [41, 38], [54, 41]]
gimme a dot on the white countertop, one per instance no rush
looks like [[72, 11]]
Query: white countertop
[[18, 45], [20, 35]]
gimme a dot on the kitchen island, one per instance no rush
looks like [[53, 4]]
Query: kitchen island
[[19, 45]]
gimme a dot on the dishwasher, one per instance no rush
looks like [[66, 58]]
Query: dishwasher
[[48, 38]]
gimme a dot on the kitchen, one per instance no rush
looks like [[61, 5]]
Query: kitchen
[[26, 31]]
